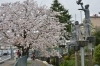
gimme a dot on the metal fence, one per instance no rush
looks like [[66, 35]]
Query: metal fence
[[22, 61]]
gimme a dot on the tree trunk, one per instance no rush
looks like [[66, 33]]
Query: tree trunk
[[24, 50]]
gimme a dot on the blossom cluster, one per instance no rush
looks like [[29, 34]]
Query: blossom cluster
[[27, 23]]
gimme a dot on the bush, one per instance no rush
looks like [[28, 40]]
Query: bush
[[66, 57], [97, 54], [67, 63], [52, 61], [72, 57]]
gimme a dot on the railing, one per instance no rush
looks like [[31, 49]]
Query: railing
[[22, 61]]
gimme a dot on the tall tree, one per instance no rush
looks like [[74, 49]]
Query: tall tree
[[27, 25], [64, 16]]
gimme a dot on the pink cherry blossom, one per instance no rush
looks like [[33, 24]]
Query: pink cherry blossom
[[37, 23]]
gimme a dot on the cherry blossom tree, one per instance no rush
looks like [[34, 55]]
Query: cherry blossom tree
[[27, 25]]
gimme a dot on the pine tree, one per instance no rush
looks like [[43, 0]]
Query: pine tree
[[64, 16]]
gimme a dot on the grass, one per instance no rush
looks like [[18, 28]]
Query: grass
[[29, 63]]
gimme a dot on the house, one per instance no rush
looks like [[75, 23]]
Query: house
[[95, 20]]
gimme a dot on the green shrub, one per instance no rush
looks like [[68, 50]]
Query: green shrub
[[67, 63], [72, 57], [52, 61], [97, 55], [66, 57]]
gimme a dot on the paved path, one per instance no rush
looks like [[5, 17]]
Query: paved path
[[5, 61], [33, 63], [39, 63], [8, 63]]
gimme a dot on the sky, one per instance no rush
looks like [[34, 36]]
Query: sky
[[70, 5]]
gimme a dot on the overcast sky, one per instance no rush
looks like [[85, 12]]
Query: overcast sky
[[70, 5]]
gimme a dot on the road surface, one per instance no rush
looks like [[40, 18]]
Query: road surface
[[5, 61], [4, 57]]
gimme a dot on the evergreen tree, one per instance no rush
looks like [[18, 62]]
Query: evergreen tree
[[64, 16]]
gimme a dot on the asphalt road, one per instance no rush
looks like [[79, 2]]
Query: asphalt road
[[4, 60], [4, 57], [8, 63]]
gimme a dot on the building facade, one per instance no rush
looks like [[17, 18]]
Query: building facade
[[95, 20]]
